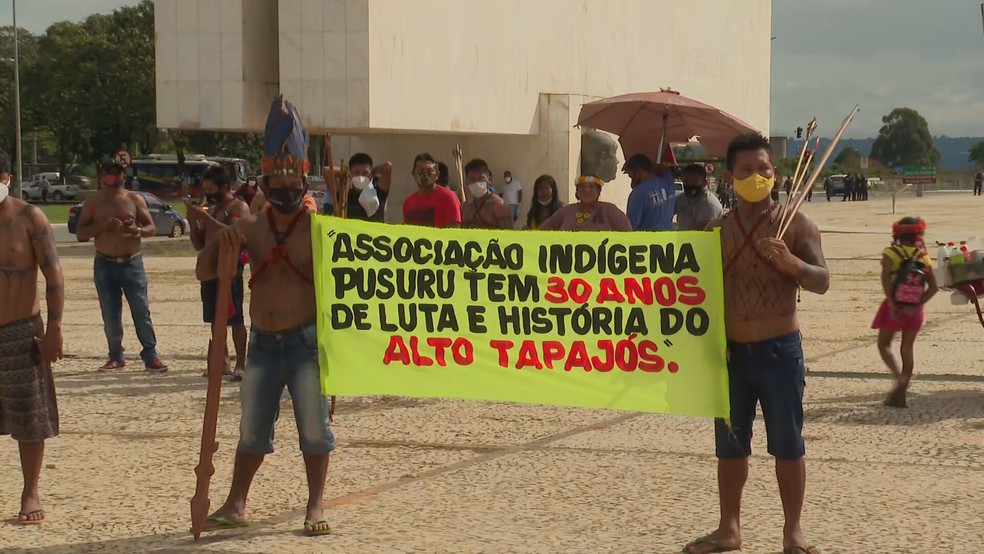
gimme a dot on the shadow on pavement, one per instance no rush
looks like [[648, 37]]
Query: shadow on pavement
[[933, 407]]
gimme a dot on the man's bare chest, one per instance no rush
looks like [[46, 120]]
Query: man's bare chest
[[115, 208]]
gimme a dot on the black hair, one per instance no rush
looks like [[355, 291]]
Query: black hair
[[696, 169], [425, 157], [4, 162], [533, 215], [443, 174], [639, 162], [360, 158], [748, 142], [477, 164], [217, 175]]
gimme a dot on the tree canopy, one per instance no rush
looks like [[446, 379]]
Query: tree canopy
[[977, 153], [904, 139]]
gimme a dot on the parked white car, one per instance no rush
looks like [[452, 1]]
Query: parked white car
[[56, 191]]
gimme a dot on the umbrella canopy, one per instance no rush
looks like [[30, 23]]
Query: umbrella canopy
[[644, 121]]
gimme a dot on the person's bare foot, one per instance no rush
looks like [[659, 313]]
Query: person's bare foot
[[237, 374], [31, 512], [718, 541]]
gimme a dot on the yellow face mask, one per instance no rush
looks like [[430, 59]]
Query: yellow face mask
[[755, 188]]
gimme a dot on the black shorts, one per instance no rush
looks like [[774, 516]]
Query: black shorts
[[210, 291]]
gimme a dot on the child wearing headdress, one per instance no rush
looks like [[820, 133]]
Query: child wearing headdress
[[902, 309]]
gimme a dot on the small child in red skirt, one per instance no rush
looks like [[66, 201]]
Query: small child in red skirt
[[894, 317]]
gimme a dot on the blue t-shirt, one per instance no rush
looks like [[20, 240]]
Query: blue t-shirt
[[651, 203]]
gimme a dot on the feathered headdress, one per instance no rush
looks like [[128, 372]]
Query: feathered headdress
[[285, 141]]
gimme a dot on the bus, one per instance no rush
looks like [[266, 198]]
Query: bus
[[158, 174]]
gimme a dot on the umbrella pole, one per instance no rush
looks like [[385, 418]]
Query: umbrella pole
[[662, 138]]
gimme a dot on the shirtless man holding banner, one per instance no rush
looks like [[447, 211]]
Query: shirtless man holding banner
[[762, 278]]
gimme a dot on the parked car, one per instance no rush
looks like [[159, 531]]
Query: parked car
[[57, 192], [168, 222]]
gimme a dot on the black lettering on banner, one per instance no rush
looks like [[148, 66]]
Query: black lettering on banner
[[476, 319], [617, 259], [412, 318], [695, 320], [583, 320]]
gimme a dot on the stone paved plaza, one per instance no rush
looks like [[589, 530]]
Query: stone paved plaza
[[462, 477]]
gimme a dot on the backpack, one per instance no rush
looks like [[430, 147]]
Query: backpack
[[910, 281]]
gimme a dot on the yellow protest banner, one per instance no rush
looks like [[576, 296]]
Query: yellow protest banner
[[624, 321]]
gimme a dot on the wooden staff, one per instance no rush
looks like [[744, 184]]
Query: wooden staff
[[810, 127], [819, 167], [330, 181], [457, 154], [343, 186], [226, 270]]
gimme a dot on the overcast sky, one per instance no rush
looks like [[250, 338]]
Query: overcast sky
[[827, 56]]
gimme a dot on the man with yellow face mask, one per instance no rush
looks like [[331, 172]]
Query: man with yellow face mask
[[762, 275]]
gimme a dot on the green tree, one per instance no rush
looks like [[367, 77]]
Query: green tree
[[977, 153], [28, 52], [904, 139], [849, 158]]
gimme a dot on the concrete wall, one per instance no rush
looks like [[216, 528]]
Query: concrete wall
[[216, 67], [480, 66]]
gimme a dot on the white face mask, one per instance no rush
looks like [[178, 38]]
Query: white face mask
[[369, 200], [508, 180], [359, 182], [478, 189], [4, 191], [544, 202]]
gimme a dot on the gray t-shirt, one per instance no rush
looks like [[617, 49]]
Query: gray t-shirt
[[693, 214]]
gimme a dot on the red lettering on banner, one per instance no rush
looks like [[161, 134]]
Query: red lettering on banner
[[608, 291], [553, 351], [690, 293], [502, 346], [556, 292], [578, 357], [439, 345], [528, 356], [397, 351]]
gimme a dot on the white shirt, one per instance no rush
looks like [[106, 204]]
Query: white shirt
[[510, 194]]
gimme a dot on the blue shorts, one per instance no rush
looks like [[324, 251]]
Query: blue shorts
[[771, 372], [273, 361]]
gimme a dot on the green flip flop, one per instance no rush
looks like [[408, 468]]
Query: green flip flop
[[316, 528], [222, 523]]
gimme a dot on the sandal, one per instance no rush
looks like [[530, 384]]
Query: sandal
[[316, 528], [222, 523], [797, 549], [24, 518], [716, 546]]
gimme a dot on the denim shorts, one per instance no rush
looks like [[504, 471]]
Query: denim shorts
[[771, 372], [274, 361]]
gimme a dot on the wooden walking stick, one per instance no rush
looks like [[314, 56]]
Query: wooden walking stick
[[457, 154], [330, 180], [226, 271]]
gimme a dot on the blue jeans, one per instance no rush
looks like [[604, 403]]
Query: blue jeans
[[514, 208], [771, 372], [115, 277], [274, 361]]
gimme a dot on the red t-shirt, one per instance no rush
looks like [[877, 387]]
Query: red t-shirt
[[438, 209]]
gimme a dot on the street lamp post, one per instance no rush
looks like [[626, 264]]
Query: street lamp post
[[17, 118]]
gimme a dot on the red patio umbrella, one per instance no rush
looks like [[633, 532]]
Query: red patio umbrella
[[648, 121]]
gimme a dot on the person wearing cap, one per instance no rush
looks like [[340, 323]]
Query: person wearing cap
[[283, 350], [696, 207], [653, 196], [117, 220]]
